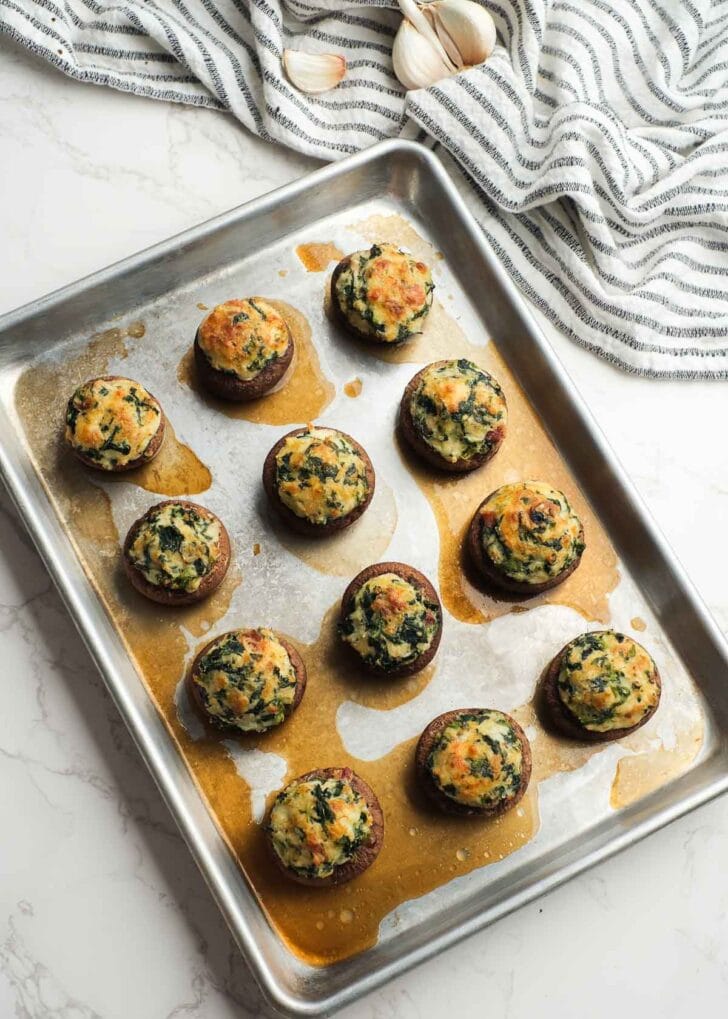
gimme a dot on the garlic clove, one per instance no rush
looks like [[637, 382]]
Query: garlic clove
[[416, 17], [416, 62], [313, 72], [447, 43], [465, 29]]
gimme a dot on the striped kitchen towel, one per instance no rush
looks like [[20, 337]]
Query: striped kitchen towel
[[592, 147]]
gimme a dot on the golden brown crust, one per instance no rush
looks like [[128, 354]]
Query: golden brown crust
[[149, 453], [566, 722], [368, 335], [427, 740], [410, 434], [299, 669], [418, 580], [229, 387], [365, 855], [490, 571], [166, 596], [300, 524]]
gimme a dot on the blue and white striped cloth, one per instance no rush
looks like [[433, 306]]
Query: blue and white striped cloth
[[593, 145]]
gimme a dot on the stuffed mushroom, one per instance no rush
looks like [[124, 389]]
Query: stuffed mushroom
[[243, 349], [325, 827], [474, 761], [603, 685], [453, 414], [114, 424], [391, 619], [318, 480], [248, 680], [177, 553], [526, 538], [382, 293]]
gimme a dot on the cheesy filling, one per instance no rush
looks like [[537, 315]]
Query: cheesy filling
[[320, 476], [246, 680], [458, 410], [529, 532], [385, 293], [318, 825], [477, 760], [390, 622], [176, 547], [112, 422], [607, 681], [242, 338]]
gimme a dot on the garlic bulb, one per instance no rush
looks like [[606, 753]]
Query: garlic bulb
[[314, 72], [439, 39]]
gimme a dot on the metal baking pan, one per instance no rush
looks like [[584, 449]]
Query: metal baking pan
[[402, 178]]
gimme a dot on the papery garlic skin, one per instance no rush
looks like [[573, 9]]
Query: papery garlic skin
[[314, 72], [416, 62]]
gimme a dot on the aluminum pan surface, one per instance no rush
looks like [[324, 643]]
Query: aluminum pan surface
[[411, 182]]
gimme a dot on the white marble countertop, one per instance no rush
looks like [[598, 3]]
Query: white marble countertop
[[102, 912]]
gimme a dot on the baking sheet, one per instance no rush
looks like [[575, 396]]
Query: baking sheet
[[292, 586]]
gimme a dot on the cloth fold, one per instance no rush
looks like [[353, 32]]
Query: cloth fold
[[591, 146]]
